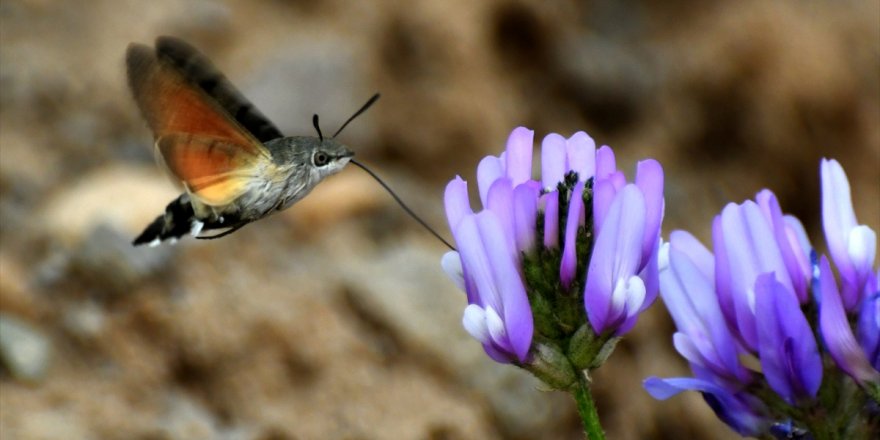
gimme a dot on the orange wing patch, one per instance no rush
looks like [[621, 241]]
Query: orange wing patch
[[213, 169], [200, 144]]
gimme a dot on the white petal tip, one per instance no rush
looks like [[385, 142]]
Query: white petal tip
[[635, 296], [861, 246], [451, 263], [474, 322], [663, 256]]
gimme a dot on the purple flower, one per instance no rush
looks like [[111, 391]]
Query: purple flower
[[487, 262], [740, 411], [869, 322], [579, 232], [687, 284], [852, 246], [838, 335], [623, 276], [746, 246], [789, 356], [751, 299], [793, 243]]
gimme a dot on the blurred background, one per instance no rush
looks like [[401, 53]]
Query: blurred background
[[333, 318]]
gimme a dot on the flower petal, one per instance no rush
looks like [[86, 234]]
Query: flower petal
[[649, 178], [525, 214], [581, 152], [650, 275], [551, 220], [515, 309], [568, 266], [838, 216], [687, 348], [635, 296], [751, 249], [616, 256], [497, 331], [689, 296], [789, 250], [476, 263], [500, 201], [489, 170], [836, 332], [553, 161], [605, 162], [733, 410], [853, 253], [789, 355], [518, 157], [457, 202], [451, 264], [869, 322], [723, 276], [696, 252], [862, 247], [801, 249], [603, 194], [474, 322]]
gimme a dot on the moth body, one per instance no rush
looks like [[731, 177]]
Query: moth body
[[299, 164]]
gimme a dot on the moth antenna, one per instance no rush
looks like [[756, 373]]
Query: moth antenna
[[400, 202], [317, 127], [370, 102]]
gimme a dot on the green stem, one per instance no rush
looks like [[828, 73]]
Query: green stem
[[873, 390], [587, 408]]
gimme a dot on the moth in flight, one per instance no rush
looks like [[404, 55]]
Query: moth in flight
[[234, 164]]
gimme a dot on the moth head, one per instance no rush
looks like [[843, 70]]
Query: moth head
[[328, 157]]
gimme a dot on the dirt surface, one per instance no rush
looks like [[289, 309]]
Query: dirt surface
[[333, 319]]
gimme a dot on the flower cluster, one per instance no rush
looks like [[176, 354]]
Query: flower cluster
[[764, 296], [555, 268]]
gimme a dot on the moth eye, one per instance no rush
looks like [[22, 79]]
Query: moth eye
[[320, 159]]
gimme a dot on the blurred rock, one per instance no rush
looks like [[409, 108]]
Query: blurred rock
[[405, 289], [49, 424], [108, 260], [611, 92], [122, 196], [24, 350], [338, 198], [16, 295], [315, 76], [200, 20], [186, 419], [85, 320]]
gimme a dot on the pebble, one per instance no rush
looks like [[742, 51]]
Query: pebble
[[24, 351], [107, 258]]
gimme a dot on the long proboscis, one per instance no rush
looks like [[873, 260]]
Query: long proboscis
[[403, 205]]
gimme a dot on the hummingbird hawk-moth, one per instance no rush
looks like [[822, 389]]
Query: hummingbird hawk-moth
[[234, 164]]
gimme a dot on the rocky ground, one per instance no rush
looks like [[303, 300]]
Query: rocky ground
[[333, 319]]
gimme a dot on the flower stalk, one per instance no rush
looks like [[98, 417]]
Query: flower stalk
[[587, 408]]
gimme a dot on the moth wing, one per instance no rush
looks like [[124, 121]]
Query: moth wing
[[198, 141], [199, 70], [212, 169]]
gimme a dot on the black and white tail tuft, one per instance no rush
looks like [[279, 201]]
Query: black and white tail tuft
[[177, 221]]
